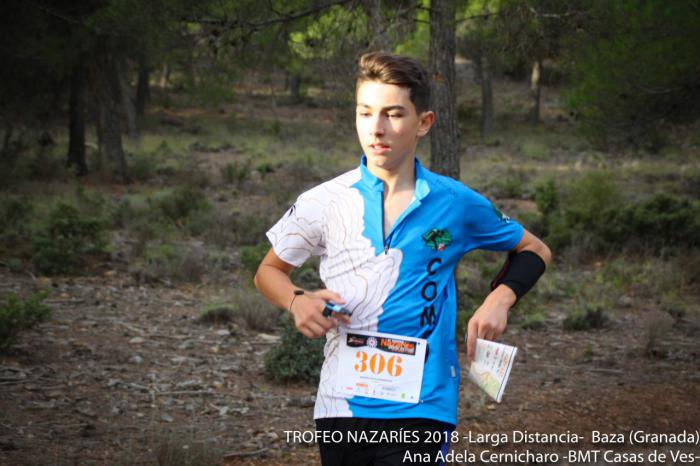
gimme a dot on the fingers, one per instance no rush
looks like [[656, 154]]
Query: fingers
[[308, 314], [328, 295], [341, 318], [481, 326]]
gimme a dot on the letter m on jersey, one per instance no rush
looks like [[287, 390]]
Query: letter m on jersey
[[427, 316]]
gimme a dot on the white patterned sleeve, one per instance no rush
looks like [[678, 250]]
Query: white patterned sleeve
[[299, 233]]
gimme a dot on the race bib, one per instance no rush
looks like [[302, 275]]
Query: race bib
[[380, 365]]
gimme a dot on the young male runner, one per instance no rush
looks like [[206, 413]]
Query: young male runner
[[390, 234]]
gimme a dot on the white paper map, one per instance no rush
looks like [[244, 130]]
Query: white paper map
[[491, 367]]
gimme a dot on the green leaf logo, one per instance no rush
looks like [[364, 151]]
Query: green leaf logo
[[437, 239]]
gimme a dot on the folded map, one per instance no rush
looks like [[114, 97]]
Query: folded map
[[491, 367]]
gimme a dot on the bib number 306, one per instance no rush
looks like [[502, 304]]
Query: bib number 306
[[378, 364]]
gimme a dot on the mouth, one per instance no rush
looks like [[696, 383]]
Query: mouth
[[379, 148]]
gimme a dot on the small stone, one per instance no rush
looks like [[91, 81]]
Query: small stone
[[43, 283], [301, 402], [136, 340], [223, 333], [186, 345], [625, 301], [166, 417], [136, 359], [268, 338], [110, 273], [113, 382]]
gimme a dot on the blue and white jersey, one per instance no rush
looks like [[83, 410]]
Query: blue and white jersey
[[400, 283]]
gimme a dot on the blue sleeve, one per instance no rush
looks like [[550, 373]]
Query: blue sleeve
[[488, 228]]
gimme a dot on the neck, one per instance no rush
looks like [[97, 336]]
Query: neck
[[401, 179]]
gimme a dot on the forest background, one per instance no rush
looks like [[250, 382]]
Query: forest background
[[146, 147]]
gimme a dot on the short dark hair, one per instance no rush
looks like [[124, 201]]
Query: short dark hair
[[398, 70]]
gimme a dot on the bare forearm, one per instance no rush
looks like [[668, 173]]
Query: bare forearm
[[273, 282], [275, 285]]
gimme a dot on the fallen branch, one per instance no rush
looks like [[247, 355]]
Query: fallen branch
[[13, 369], [245, 454], [184, 392]]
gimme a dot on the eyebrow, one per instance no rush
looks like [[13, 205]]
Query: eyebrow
[[386, 109]]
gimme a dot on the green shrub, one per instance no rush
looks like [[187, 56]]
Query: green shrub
[[246, 306], [595, 216], [179, 203], [265, 168], [15, 212], [236, 173], [547, 197], [591, 201], [180, 262], [296, 358], [142, 166], [674, 304], [248, 228], [587, 317], [509, 184], [463, 317], [17, 315], [251, 256], [533, 149], [663, 220], [66, 240], [92, 203], [307, 276], [534, 320], [15, 216]]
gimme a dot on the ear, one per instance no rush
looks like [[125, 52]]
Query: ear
[[425, 122]]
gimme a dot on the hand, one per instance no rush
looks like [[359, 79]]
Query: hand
[[490, 320], [307, 310]]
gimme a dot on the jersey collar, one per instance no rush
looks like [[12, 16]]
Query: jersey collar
[[375, 184]]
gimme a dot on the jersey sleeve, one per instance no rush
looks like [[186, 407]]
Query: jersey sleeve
[[299, 233], [488, 228]]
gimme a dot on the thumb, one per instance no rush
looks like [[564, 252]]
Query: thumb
[[329, 295]]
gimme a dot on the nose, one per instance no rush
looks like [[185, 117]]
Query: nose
[[377, 126]]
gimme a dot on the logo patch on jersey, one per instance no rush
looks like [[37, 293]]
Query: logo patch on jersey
[[437, 239], [501, 216]]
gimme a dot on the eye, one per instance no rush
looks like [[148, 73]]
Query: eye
[[364, 114], [395, 115]]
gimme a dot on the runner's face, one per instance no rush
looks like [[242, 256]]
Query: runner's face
[[388, 125]]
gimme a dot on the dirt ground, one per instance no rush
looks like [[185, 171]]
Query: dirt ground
[[123, 374]]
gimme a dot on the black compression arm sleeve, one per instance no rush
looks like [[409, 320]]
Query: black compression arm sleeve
[[520, 272]]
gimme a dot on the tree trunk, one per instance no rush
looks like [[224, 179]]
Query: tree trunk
[[295, 86], [6, 141], [444, 136], [76, 124], [535, 89], [143, 90], [164, 76], [378, 26], [110, 111], [486, 98], [128, 100]]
